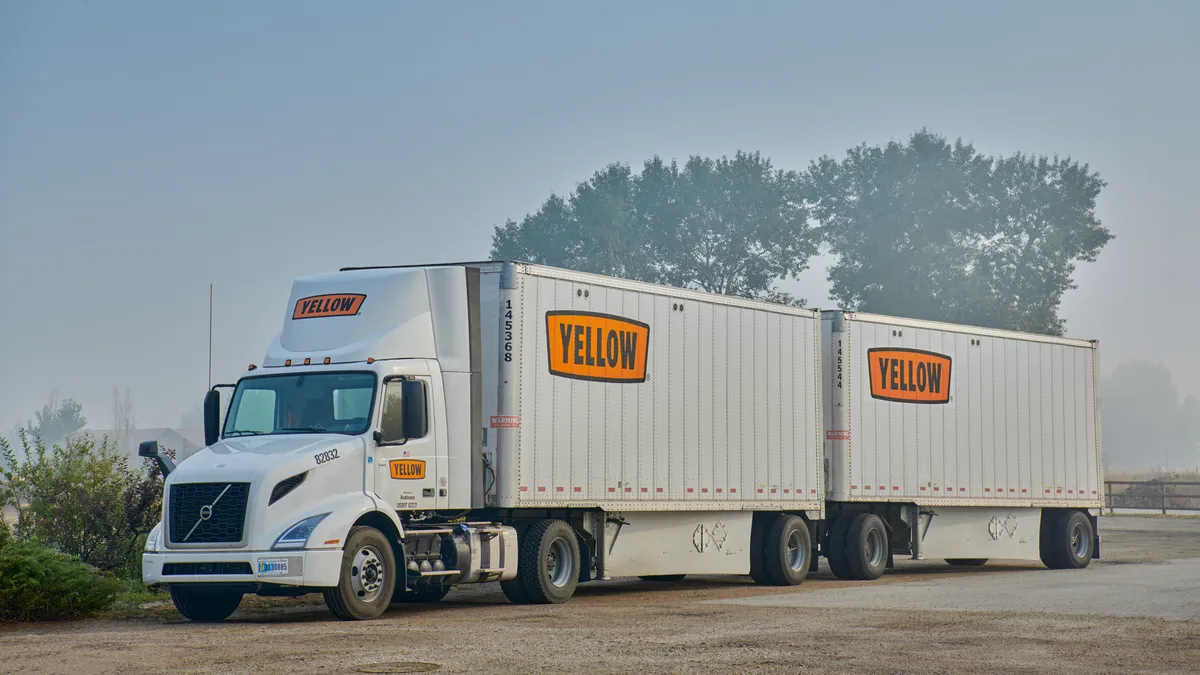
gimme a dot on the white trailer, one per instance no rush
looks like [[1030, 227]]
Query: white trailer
[[413, 428], [957, 442]]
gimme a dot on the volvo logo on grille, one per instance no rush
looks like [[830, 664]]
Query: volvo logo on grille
[[206, 512]]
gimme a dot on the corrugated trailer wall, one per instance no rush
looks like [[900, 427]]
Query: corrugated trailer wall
[[727, 417], [959, 415]]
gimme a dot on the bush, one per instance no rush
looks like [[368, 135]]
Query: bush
[[40, 584], [82, 498]]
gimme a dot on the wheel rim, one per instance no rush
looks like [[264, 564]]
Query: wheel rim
[[560, 560], [875, 548], [1079, 541], [796, 555], [367, 574]]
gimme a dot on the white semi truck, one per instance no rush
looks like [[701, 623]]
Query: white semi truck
[[415, 428]]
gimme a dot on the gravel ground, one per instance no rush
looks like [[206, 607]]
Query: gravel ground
[[1031, 622]]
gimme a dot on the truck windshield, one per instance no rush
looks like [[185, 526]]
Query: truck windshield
[[304, 403]]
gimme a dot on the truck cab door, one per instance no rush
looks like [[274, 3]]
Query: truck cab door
[[406, 453]]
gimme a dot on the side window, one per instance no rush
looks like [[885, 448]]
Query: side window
[[255, 411], [405, 414]]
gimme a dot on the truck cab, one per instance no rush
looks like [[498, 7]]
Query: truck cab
[[365, 408]]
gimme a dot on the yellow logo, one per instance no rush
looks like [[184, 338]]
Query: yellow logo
[[597, 347], [334, 304], [407, 469], [909, 375]]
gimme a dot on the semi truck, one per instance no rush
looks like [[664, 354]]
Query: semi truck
[[413, 428]]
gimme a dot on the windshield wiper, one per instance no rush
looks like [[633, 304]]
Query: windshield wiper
[[311, 427], [243, 432]]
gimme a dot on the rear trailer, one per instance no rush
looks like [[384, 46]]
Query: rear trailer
[[957, 442], [677, 432]]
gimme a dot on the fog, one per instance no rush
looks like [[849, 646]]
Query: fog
[[149, 149]]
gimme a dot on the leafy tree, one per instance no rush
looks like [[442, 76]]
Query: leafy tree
[[934, 230], [1145, 422], [57, 420], [82, 497], [733, 226]]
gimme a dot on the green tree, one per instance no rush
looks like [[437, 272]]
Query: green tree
[[936, 230], [733, 226], [57, 420]]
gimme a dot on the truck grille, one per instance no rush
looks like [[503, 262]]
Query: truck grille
[[207, 513], [177, 569]]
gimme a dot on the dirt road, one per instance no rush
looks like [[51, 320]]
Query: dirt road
[[634, 626]]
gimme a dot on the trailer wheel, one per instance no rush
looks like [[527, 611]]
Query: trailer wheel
[[835, 552], [786, 554], [423, 593], [664, 578], [967, 562], [757, 552], [368, 579], [867, 547], [1071, 541], [548, 563], [197, 603]]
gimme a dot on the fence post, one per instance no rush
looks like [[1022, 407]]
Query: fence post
[[1164, 498]]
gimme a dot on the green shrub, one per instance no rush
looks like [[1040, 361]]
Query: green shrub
[[40, 584], [83, 498]]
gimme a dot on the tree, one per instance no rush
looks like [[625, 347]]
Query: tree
[[732, 226], [1144, 422], [934, 230], [57, 420]]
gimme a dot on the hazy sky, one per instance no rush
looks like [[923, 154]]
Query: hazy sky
[[147, 149]]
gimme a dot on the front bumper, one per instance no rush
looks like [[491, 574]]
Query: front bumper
[[303, 567]]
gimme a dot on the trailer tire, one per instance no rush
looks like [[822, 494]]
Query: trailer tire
[[424, 593], [786, 555], [368, 579], [967, 562], [196, 603], [757, 554], [839, 562], [664, 578], [867, 547], [1071, 541], [548, 563]]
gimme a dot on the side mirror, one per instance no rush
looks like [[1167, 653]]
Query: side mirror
[[212, 417], [149, 450]]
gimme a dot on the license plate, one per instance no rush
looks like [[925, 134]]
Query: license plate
[[273, 566]]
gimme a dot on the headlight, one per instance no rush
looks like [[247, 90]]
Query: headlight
[[297, 535], [152, 539]]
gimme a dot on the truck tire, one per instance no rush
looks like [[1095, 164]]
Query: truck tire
[[196, 603], [547, 564], [1071, 541], [664, 578], [867, 547], [967, 562], [1046, 549], [786, 554], [423, 593], [839, 562], [368, 579]]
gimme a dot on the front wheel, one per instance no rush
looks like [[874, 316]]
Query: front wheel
[[368, 577], [197, 603]]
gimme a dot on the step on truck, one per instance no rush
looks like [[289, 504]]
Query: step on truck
[[414, 428], [959, 443]]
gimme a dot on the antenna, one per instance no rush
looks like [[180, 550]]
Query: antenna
[[210, 313]]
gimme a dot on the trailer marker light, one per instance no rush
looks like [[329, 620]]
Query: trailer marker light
[[987, 489], [559, 489], [658, 489], [814, 491], [579, 489], [962, 489], [330, 542], [523, 488], [691, 490], [936, 489], [1024, 489], [852, 487], [787, 491], [923, 488], [895, 487], [1012, 489], [541, 489], [612, 489], [719, 490], [760, 490], [733, 489], [645, 489], [629, 489]]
